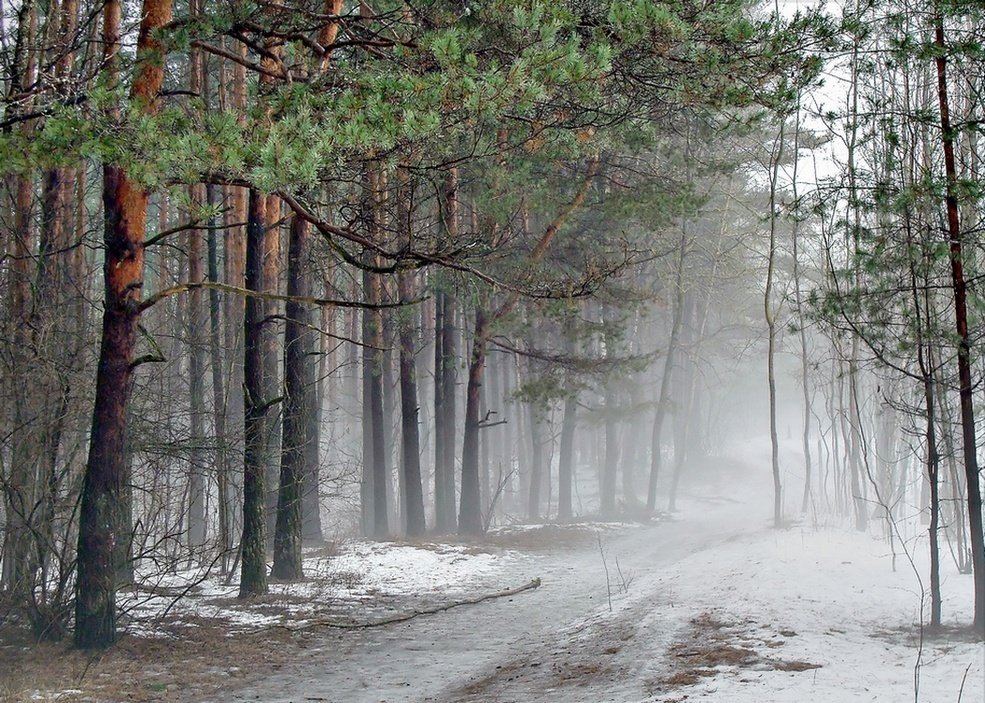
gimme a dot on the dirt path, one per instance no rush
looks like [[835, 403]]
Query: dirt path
[[560, 642]]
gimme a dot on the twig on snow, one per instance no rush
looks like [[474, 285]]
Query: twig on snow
[[406, 616]]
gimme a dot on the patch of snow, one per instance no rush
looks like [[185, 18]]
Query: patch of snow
[[830, 598], [362, 572]]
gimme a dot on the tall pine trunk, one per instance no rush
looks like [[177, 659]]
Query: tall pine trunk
[[446, 360], [22, 487], [410, 455], [470, 508], [299, 387], [253, 545], [125, 211]]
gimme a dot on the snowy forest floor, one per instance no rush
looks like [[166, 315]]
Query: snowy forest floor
[[709, 605]]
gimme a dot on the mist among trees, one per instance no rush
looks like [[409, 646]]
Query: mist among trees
[[278, 272]]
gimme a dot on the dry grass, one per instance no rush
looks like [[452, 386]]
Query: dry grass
[[794, 665], [197, 659], [713, 645], [579, 673]]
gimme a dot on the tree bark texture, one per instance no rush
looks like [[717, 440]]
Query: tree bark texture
[[299, 387], [470, 509], [253, 568], [125, 211]]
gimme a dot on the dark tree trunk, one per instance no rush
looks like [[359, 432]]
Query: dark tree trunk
[[446, 359], [440, 519], [566, 464], [373, 358], [222, 459], [933, 465], [685, 385], [299, 386], [413, 491], [966, 386], [410, 435], [388, 386], [445, 419], [537, 467], [21, 485], [367, 479], [470, 508], [611, 466], [253, 569], [125, 211], [311, 525]]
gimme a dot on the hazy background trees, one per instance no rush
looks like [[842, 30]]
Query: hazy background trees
[[398, 269]]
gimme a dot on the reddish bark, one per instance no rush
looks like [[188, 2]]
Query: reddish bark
[[125, 210]]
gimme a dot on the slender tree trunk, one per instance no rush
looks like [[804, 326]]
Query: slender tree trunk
[[410, 436], [925, 363], [324, 387], [196, 344], [470, 509], [445, 391], [374, 287], [253, 568], [801, 323], [965, 382], [566, 459], [220, 406], [440, 516], [59, 309], [769, 311], [566, 464], [367, 488], [537, 468], [125, 211], [686, 384], [374, 373], [195, 322], [413, 491], [665, 382], [610, 468]]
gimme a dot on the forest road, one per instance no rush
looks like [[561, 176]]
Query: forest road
[[560, 643]]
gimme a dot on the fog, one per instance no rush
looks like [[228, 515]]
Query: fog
[[478, 351]]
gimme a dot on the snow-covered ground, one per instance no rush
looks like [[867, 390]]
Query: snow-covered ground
[[828, 599], [354, 581], [711, 605]]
